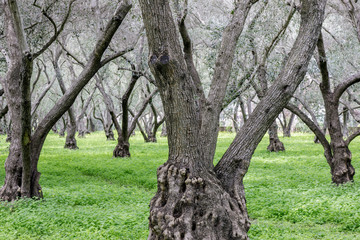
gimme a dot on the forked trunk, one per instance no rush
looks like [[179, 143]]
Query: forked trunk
[[82, 127], [287, 129], [287, 132], [22, 177], [341, 169], [194, 200], [275, 144]]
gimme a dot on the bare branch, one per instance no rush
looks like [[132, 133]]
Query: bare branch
[[352, 137], [68, 53], [136, 117], [41, 97], [320, 135], [341, 88], [56, 30], [188, 54], [90, 69], [115, 55]]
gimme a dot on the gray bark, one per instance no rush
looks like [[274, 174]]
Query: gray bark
[[275, 145], [194, 200], [22, 177], [70, 141], [341, 169]]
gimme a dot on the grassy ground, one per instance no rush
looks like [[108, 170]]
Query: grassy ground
[[90, 195]]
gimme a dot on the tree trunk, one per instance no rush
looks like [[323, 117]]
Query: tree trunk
[[287, 130], [109, 134], [54, 129], [152, 138], [163, 131], [341, 169], [122, 149], [275, 144], [345, 129], [90, 124], [18, 179], [24, 155], [62, 130], [8, 136], [194, 200], [70, 141], [82, 129], [191, 204]]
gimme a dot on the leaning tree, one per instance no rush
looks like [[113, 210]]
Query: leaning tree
[[194, 200], [22, 176]]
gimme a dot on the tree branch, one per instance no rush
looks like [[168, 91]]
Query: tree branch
[[352, 137], [341, 88], [90, 69], [142, 109], [188, 54], [56, 31], [313, 127], [115, 55], [325, 84]]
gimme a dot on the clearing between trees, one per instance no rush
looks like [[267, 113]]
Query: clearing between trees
[[90, 195]]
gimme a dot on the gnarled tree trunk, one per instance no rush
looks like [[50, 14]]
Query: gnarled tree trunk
[[341, 169], [194, 200], [275, 144]]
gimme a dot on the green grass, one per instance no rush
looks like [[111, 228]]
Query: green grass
[[90, 195]]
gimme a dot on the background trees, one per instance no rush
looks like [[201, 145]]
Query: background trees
[[21, 165], [244, 60]]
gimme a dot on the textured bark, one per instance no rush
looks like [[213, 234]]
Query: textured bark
[[275, 144], [235, 162], [193, 201], [18, 180], [122, 149], [211, 110], [341, 169], [22, 177]]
